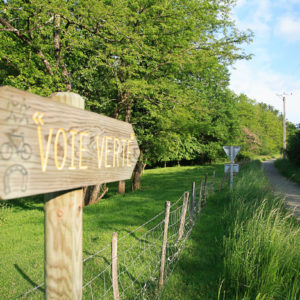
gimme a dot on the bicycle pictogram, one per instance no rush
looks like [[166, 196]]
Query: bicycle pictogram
[[15, 145]]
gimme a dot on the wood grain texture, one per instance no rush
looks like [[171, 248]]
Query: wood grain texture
[[63, 245], [164, 245], [63, 234], [182, 217], [46, 146], [114, 265]]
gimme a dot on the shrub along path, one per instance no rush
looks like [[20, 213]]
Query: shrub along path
[[290, 190]]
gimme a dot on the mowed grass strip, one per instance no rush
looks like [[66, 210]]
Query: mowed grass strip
[[22, 224], [244, 246]]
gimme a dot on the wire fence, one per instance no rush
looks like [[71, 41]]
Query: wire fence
[[139, 257]]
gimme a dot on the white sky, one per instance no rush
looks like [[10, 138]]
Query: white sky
[[275, 67]]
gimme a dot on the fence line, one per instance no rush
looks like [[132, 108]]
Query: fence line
[[139, 263]]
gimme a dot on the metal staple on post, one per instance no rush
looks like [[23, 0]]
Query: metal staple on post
[[211, 189], [164, 245], [114, 265], [183, 214], [200, 196]]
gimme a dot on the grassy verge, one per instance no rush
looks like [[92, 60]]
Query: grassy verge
[[266, 157], [245, 246], [288, 170], [22, 225]]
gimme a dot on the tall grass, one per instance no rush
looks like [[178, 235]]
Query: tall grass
[[288, 169], [262, 248]]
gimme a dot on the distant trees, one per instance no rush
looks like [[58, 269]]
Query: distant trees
[[293, 147]]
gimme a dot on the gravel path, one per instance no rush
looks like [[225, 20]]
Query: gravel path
[[288, 189]]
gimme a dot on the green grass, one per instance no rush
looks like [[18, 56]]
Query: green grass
[[245, 246], [288, 169], [22, 225], [266, 157], [262, 250]]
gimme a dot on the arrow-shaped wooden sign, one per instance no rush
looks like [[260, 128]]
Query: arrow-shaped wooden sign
[[46, 146]]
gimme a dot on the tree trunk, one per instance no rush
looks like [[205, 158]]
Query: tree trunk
[[121, 187], [144, 166], [92, 194], [136, 177], [165, 164], [178, 163]]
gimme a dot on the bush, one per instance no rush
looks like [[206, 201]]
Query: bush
[[293, 148]]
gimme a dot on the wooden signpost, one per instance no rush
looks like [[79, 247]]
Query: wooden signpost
[[50, 145], [46, 146]]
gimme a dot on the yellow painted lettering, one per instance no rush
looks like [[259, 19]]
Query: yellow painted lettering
[[116, 152], [128, 153], [73, 133], [124, 143], [60, 131], [100, 152], [107, 151], [44, 158], [82, 149]]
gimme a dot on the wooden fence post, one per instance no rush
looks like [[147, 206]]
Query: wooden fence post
[[63, 234], [121, 187], [200, 196], [205, 189], [183, 214], [164, 245], [192, 203], [114, 265], [222, 183], [212, 182]]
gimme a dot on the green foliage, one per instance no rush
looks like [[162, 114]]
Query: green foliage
[[261, 128], [161, 65], [293, 148], [288, 169]]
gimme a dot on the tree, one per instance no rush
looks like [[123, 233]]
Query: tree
[[161, 65]]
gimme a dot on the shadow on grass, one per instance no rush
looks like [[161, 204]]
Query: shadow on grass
[[28, 279], [197, 275], [28, 203], [117, 212]]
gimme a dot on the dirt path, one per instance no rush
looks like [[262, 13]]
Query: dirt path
[[290, 190]]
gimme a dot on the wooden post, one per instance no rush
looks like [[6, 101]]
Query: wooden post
[[212, 182], [183, 214], [121, 187], [63, 234], [114, 265], [164, 245], [200, 196], [222, 183], [205, 189], [192, 203]]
